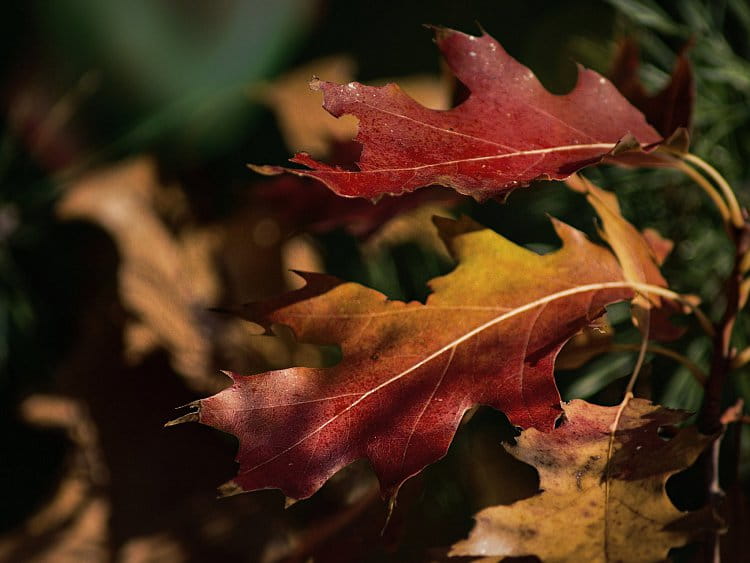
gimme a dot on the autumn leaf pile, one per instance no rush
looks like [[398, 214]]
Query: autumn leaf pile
[[491, 330]]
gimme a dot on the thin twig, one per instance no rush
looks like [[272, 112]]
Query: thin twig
[[707, 187], [699, 375], [722, 359], [735, 211], [645, 328]]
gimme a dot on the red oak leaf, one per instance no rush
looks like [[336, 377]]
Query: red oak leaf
[[488, 334], [668, 109], [508, 132]]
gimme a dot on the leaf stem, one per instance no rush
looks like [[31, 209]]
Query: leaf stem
[[735, 211], [636, 286], [707, 187], [642, 347], [610, 449], [695, 370]]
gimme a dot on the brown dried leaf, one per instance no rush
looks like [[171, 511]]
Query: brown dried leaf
[[72, 525], [171, 272], [163, 281], [597, 503]]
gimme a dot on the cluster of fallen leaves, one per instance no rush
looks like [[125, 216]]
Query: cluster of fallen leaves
[[491, 332]]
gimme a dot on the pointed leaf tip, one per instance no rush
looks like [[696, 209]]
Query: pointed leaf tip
[[190, 417], [229, 489]]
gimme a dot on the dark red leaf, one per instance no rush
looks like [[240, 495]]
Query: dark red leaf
[[668, 109], [508, 132]]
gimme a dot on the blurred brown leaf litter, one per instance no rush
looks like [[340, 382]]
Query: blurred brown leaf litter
[[170, 275], [147, 337]]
